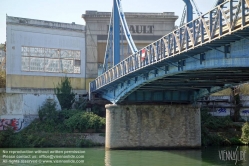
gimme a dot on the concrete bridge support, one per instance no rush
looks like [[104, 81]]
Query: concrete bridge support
[[152, 126]]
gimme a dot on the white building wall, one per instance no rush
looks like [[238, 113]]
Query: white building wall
[[18, 110], [29, 33], [20, 104], [36, 33]]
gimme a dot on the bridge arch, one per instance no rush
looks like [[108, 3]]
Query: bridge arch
[[164, 82]]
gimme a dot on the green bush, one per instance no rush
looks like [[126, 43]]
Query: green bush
[[235, 141], [66, 114], [85, 120], [86, 143], [209, 122], [2, 78], [43, 132], [47, 112], [8, 138], [48, 116], [64, 93], [245, 133], [5, 137]]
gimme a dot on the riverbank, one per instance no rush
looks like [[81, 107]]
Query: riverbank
[[70, 139], [9, 139], [222, 131], [66, 128], [216, 131]]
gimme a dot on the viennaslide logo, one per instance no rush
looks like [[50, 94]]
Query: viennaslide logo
[[232, 155]]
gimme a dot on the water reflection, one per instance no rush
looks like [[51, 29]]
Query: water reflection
[[101, 157], [155, 158], [203, 157], [216, 156]]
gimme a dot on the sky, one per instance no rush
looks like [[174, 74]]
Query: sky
[[69, 11]]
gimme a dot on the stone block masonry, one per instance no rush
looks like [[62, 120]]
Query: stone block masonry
[[152, 126]]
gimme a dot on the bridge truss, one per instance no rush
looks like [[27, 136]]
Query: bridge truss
[[180, 66], [112, 53]]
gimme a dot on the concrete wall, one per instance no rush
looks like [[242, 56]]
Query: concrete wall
[[224, 106], [41, 34], [220, 105], [152, 126], [19, 110]]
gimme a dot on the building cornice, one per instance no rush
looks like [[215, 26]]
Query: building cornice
[[96, 14], [44, 24]]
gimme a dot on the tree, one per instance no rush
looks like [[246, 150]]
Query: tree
[[2, 72], [4, 47], [237, 103], [245, 133], [2, 78], [64, 93]]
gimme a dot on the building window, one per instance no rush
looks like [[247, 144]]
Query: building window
[[50, 60]]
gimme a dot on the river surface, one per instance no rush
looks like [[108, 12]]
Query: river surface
[[213, 156]]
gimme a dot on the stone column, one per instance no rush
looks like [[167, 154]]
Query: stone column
[[152, 126]]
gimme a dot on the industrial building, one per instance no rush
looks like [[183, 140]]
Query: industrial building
[[39, 53], [144, 28]]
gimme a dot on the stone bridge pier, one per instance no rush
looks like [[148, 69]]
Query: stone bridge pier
[[152, 126]]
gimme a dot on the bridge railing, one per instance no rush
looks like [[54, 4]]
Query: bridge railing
[[206, 28]]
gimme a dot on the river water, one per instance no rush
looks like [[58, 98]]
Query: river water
[[213, 156]]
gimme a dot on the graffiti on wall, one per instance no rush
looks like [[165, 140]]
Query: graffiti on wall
[[15, 124], [222, 110], [245, 112]]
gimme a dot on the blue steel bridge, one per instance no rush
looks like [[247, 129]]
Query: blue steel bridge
[[203, 56]]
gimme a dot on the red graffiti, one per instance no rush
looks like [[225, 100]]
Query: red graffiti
[[15, 124]]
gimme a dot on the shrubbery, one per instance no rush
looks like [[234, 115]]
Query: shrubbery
[[85, 120], [52, 120], [245, 133], [64, 93], [48, 113], [2, 78], [210, 126], [42, 132], [27, 139], [211, 122]]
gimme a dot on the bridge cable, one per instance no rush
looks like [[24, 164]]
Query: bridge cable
[[126, 29], [108, 50]]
